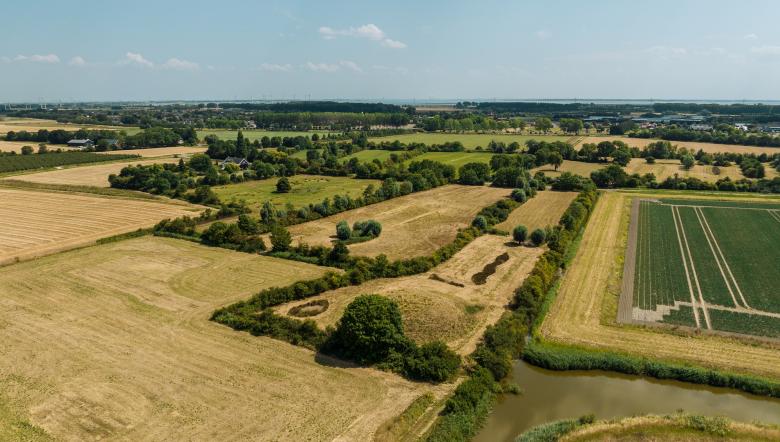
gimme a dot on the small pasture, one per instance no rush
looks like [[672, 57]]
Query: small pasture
[[306, 189], [576, 167], [663, 169], [545, 209]]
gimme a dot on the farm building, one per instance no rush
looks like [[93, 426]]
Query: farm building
[[81, 143], [241, 162]]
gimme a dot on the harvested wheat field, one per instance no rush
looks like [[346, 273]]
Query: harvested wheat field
[[96, 175], [663, 169], [576, 167], [114, 342], [412, 225], [690, 145], [183, 151], [592, 284], [9, 124], [35, 223], [545, 209], [16, 146], [444, 303]]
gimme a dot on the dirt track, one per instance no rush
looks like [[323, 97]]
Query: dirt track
[[595, 273]]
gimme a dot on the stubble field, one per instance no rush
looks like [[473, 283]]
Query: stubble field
[[114, 342], [35, 223], [663, 169], [412, 225], [96, 176], [582, 313], [545, 209]]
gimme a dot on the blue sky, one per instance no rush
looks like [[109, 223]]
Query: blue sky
[[172, 49]]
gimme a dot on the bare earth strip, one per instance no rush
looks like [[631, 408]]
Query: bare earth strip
[[95, 175], [114, 342], [545, 209], [575, 316], [412, 225], [35, 223], [690, 145]]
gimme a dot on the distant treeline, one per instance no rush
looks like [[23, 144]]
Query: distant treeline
[[318, 106]]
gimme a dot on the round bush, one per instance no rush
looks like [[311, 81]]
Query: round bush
[[480, 222], [519, 195], [538, 237], [343, 232], [370, 330], [520, 234]]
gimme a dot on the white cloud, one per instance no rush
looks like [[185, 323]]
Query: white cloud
[[77, 61], [351, 65], [333, 67], [766, 50], [49, 58], [273, 67], [543, 34], [751, 37], [395, 44], [321, 67], [138, 59], [369, 31], [181, 65]]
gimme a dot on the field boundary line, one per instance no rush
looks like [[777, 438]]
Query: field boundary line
[[685, 267], [693, 270], [725, 263], [715, 255], [774, 214], [626, 300]]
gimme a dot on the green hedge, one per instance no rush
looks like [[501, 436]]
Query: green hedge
[[559, 357]]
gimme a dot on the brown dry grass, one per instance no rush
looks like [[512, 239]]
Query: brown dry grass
[[16, 146], [592, 283], [663, 169], [437, 310], [84, 175], [159, 151], [667, 428], [691, 145], [35, 223], [412, 225], [34, 125], [114, 342], [576, 167], [545, 209]]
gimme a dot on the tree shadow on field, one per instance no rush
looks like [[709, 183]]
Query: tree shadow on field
[[332, 361]]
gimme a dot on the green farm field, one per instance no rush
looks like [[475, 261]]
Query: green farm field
[[255, 134], [708, 264], [306, 189], [471, 141], [455, 159]]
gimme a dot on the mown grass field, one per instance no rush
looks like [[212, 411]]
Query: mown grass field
[[412, 225], [116, 344], [716, 258], [584, 309], [663, 169], [469, 140], [369, 155], [40, 223], [306, 189], [575, 167], [545, 209], [434, 309], [86, 175], [255, 134]]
